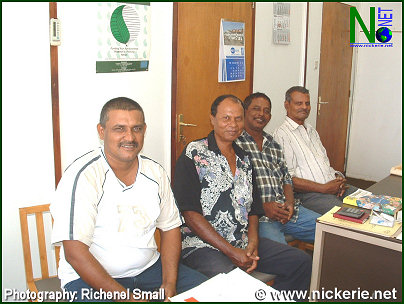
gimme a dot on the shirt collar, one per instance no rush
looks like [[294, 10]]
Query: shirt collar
[[247, 137], [294, 125], [140, 161], [212, 146]]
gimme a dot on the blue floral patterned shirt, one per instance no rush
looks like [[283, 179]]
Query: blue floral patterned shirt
[[204, 183]]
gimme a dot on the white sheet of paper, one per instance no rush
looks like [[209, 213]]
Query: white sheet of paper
[[235, 286]]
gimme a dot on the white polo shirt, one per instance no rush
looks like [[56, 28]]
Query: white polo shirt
[[305, 155], [116, 221]]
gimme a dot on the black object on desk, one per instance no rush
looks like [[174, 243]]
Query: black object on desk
[[351, 212]]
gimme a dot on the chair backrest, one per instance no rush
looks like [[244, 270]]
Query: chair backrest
[[39, 211], [40, 214]]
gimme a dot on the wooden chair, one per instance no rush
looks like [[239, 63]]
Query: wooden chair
[[302, 245], [299, 244], [44, 282]]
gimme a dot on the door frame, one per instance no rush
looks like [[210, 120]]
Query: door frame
[[174, 90], [174, 79], [351, 95]]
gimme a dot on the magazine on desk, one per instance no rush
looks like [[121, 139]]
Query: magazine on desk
[[235, 286], [382, 203]]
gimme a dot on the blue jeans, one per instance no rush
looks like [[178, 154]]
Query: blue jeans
[[148, 280], [304, 229], [322, 202]]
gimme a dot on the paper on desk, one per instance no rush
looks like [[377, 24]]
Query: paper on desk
[[397, 170], [235, 286], [367, 226], [378, 220], [360, 193]]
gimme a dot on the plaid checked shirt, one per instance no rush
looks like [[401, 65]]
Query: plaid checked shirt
[[270, 169]]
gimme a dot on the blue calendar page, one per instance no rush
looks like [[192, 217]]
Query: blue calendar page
[[235, 69]]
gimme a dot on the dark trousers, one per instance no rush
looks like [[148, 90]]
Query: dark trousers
[[322, 202], [148, 280], [292, 266]]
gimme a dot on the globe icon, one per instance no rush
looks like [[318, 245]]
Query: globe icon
[[383, 34]]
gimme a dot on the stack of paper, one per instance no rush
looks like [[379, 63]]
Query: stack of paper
[[397, 170], [382, 219], [235, 286]]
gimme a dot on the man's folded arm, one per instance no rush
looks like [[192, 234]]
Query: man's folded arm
[[305, 185]]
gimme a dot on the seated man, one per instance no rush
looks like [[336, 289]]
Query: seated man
[[318, 185], [213, 185], [283, 214], [106, 209]]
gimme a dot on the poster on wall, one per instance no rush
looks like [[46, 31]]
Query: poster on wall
[[231, 51], [123, 37]]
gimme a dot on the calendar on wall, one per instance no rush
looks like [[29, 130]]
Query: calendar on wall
[[231, 51], [281, 24]]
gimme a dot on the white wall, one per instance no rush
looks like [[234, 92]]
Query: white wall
[[375, 143], [83, 92], [278, 67], [28, 172], [27, 148]]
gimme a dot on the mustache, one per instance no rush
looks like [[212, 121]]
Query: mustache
[[305, 111], [125, 143]]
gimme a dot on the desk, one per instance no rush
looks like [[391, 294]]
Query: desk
[[391, 185], [348, 259]]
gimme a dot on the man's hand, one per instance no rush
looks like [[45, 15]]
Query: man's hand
[[342, 187], [240, 258], [335, 186], [252, 253], [169, 291], [342, 190], [290, 207], [278, 212]]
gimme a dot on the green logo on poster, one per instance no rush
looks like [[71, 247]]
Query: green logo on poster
[[125, 24]]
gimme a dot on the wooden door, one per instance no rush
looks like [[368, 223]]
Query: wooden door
[[334, 83], [195, 65]]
